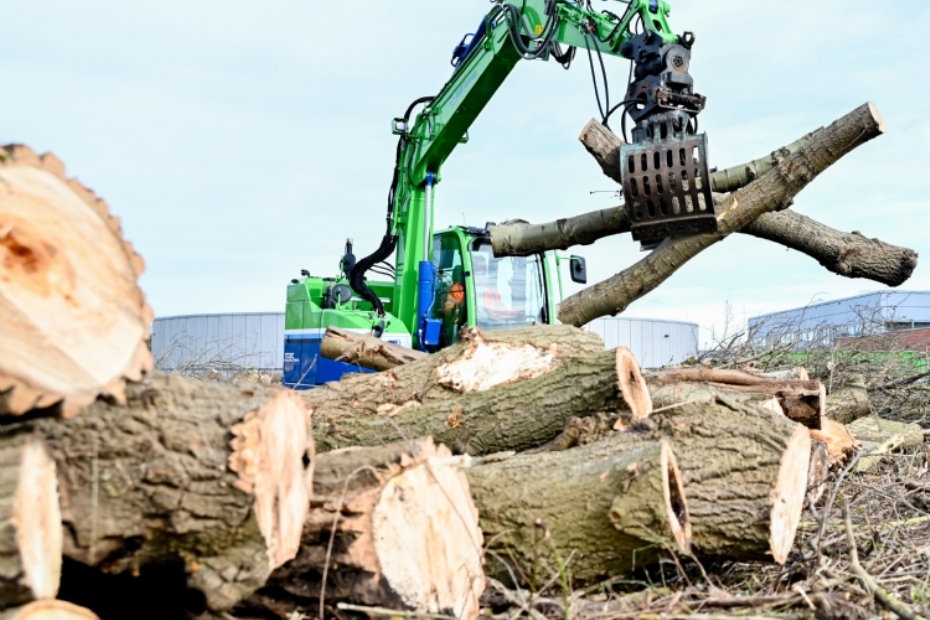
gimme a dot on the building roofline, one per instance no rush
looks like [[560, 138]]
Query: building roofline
[[206, 315], [639, 318], [836, 301]]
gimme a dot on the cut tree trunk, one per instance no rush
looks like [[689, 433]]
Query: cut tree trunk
[[30, 521], [848, 405], [203, 473], [847, 254], [801, 401], [405, 531], [478, 361], [591, 512], [744, 469], [773, 191], [73, 319], [516, 416], [365, 350], [50, 610]]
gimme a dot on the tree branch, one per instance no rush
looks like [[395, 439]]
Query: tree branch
[[770, 193]]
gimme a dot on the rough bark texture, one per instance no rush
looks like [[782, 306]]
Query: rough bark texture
[[365, 350], [744, 470], [500, 356], [406, 535], [773, 191], [73, 319], [30, 521], [848, 405], [847, 254], [801, 401], [49, 610], [207, 474], [852, 255], [516, 416], [600, 510]]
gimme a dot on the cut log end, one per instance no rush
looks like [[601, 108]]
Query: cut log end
[[62, 255], [269, 447], [789, 492], [877, 116], [676, 506], [426, 536], [632, 384], [37, 518], [30, 521], [49, 610]]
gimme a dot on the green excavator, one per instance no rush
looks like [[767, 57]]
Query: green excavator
[[443, 281]]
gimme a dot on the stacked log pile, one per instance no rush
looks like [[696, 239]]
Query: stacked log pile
[[517, 455]]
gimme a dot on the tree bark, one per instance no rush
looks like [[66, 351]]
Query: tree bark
[[203, 473], [773, 191], [801, 401], [516, 416], [598, 511], [73, 319], [847, 254], [30, 521], [744, 470], [365, 350], [848, 405], [405, 531], [496, 357], [49, 610]]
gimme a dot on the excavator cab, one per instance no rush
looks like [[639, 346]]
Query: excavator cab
[[474, 288]]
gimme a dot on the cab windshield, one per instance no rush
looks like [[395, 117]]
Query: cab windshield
[[509, 291]]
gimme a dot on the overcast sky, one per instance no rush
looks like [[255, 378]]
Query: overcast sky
[[243, 141]]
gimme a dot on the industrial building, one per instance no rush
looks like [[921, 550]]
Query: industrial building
[[823, 323], [256, 340], [219, 341], [654, 343]]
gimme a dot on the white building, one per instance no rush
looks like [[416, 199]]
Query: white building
[[235, 340], [256, 340], [654, 343]]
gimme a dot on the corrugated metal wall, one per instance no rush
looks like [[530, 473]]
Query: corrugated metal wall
[[256, 340], [653, 343], [245, 340]]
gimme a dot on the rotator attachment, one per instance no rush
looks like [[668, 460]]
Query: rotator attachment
[[666, 181]]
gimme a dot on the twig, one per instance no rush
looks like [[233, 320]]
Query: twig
[[828, 506], [384, 611], [885, 598], [901, 382]]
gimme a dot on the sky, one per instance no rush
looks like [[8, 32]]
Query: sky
[[240, 142]]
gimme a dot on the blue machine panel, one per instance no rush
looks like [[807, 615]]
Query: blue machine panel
[[305, 368]]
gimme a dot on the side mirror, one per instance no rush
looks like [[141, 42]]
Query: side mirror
[[579, 269]]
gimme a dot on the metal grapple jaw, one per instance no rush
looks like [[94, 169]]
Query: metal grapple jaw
[[666, 181], [666, 186]]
